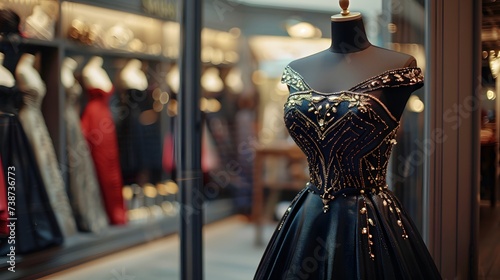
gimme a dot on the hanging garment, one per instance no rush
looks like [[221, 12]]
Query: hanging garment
[[100, 132], [36, 226], [85, 194], [36, 130]]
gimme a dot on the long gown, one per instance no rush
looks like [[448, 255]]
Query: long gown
[[346, 223], [100, 132], [85, 194], [36, 224], [36, 130]]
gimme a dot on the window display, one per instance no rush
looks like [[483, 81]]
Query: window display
[[343, 111]]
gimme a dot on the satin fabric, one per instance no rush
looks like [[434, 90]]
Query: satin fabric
[[346, 223], [311, 244], [85, 194], [100, 132], [36, 226]]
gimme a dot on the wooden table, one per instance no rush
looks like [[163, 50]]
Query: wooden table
[[291, 153]]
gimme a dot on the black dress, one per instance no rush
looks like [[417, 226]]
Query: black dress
[[346, 223], [36, 226]]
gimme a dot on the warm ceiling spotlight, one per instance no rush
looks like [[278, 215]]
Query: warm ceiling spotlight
[[302, 29]]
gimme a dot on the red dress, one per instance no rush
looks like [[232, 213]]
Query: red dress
[[3, 203], [99, 130]]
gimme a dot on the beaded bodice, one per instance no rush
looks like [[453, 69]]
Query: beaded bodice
[[347, 136]]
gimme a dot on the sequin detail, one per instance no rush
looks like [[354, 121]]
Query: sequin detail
[[347, 137]]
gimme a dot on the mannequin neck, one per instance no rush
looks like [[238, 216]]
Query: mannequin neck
[[349, 36]]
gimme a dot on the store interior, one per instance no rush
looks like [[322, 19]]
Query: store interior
[[88, 124]]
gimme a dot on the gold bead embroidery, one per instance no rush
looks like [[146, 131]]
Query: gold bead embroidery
[[347, 137]]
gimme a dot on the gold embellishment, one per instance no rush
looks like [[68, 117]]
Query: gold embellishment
[[296, 100], [366, 228], [293, 79], [347, 138], [394, 209], [292, 204]]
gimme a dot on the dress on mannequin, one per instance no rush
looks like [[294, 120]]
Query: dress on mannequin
[[33, 89], [36, 226], [137, 127], [85, 194], [343, 112], [99, 130]]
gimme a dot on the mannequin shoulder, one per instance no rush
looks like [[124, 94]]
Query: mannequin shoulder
[[313, 59], [394, 58]]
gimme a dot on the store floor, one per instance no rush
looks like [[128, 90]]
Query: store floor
[[229, 254], [489, 242]]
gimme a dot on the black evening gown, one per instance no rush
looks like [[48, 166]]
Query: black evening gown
[[346, 223], [139, 139], [36, 226]]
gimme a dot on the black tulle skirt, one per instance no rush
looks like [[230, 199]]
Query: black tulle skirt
[[361, 236]]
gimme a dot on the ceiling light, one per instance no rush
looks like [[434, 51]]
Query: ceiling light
[[302, 30]]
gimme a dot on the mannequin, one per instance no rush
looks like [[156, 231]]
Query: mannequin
[[132, 76], [33, 89], [100, 132], [37, 226], [6, 78], [132, 134], [343, 112], [67, 77], [95, 77], [39, 24], [351, 52], [85, 195]]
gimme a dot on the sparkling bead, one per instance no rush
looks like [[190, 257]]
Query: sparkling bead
[[390, 208], [311, 109], [317, 98], [385, 202], [371, 222], [400, 223], [363, 210], [370, 236], [364, 231], [372, 256], [321, 122], [362, 191]]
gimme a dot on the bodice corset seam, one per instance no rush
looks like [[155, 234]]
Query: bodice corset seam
[[413, 76], [311, 91]]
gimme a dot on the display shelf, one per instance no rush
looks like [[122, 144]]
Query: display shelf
[[17, 40], [157, 9], [72, 48], [86, 247]]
